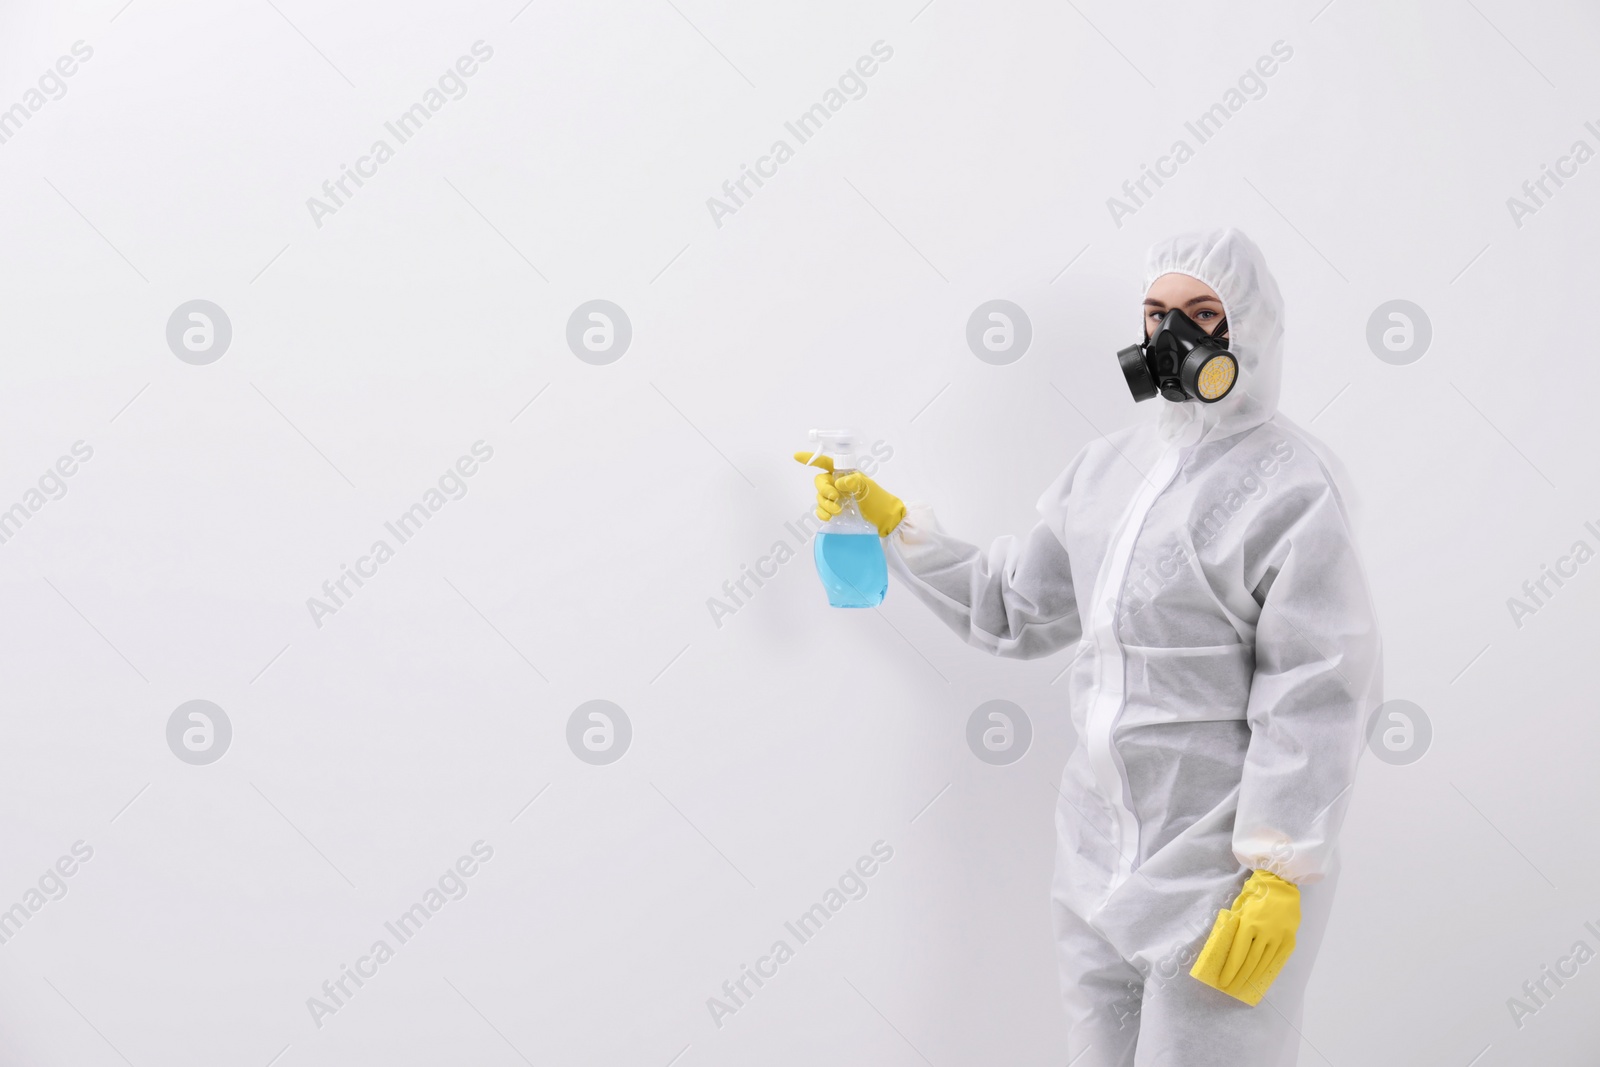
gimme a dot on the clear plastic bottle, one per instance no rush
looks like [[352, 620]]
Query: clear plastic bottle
[[848, 550]]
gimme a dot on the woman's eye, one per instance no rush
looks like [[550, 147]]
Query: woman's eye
[[1205, 314]]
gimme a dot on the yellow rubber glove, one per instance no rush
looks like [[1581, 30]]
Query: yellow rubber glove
[[1250, 942], [878, 506]]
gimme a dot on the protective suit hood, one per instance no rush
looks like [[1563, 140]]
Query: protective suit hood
[[1232, 265]]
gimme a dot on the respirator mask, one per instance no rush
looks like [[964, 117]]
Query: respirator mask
[[1181, 362]]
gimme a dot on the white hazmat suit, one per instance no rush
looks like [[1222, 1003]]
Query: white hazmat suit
[[1204, 565]]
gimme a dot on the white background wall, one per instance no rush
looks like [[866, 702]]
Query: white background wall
[[772, 751]]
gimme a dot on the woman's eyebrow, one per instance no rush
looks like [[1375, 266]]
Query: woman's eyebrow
[[1201, 300], [1152, 302]]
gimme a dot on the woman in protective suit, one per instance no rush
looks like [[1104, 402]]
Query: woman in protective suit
[[1203, 564]]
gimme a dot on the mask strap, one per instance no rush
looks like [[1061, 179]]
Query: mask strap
[[1221, 329]]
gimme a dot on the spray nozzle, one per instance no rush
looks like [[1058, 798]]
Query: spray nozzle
[[839, 445]]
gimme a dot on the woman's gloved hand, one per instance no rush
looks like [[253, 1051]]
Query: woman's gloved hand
[[878, 506], [1250, 942]]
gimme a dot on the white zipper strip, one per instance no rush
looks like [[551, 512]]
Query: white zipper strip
[[1110, 684]]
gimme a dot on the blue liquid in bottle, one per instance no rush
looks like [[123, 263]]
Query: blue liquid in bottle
[[852, 569]]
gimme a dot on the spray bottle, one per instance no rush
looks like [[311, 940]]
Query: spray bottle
[[848, 551]]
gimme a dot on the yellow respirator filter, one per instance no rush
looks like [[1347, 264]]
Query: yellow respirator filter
[[1217, 377]]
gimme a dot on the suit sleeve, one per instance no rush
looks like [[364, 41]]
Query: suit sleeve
[[1318, 673], [1014, 598]]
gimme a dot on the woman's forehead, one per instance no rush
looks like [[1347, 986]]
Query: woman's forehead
[[1180, 290]]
